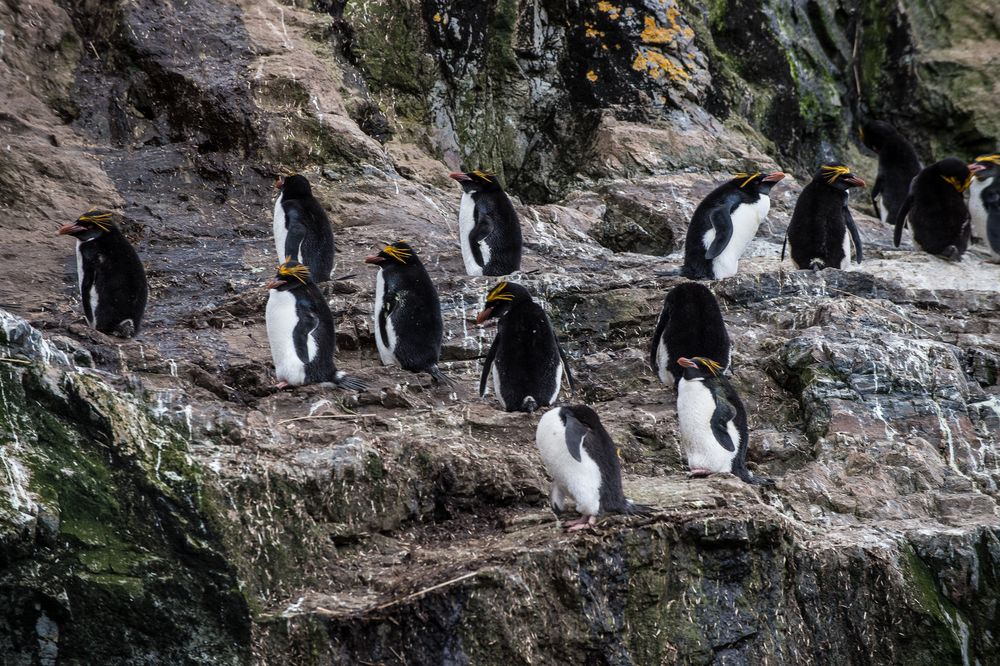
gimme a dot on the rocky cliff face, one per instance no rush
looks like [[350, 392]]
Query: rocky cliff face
[[159, 503]]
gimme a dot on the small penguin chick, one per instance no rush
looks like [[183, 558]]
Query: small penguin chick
[[110, 276], [822, 229], [713, 421], [407, 317], [489, 229], [583, 462], [525, 360], [724, 223], [301, 332]]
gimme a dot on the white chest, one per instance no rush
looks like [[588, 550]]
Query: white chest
[[746, 220], [387, 353], [280, 230], [580, 478], [90, 297], [976, 209], [281, 320], [845, 263], [883, 212], [662, 358], [695, 407], [466, 221]]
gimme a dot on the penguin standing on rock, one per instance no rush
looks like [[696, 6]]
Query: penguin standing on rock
[[525, 359], [582, 460], [300, 330], [936, 210], [110, 276], [408, 324], [898, 165], [724, 224], [489, 228], [984, 202], [302, 230], [690, 324], [822, 229], [713, 421]]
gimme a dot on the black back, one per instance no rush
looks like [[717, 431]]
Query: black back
[[936, 210], [690, 324], [112, 266], [583, 424], [314, 317], [714, 210], [496, 223], [898, 165], [525, 354], [727, 400], [411, 302], [310, 234], [820, 222]]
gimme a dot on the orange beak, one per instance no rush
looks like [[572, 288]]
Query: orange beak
[[854, 180], [71, 229], [459, 176], [275, 283], [773, 178], [374, 259], [976, 168], [686, 362], [484, 315]]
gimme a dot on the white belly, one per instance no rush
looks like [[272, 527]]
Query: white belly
[[581, 479], [846, 262], [883, 212], [555, 395], [662, 358], [281, 320], [79, 268], [90, 298], [695, 407], [496, 385], [387, 354], [466, 221], [746, 219], [280, 231], [976, 209]]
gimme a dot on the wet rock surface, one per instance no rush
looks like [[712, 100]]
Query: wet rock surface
[[161, 503]]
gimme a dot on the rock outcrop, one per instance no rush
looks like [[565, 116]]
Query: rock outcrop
[[160, 503]]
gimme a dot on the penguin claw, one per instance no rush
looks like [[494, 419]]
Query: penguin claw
[[699, 473], [281, 385], [581, 523]]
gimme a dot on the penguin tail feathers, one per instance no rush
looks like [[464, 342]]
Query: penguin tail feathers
[[345, 381], [529, 404], [634, 509], [671, 273], [745, 476], [125, 329], [441, 378]]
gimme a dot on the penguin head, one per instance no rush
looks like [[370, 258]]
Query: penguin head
[[838, 176], [293, 186], [500, 299], [477, 181], [985, 166], [699, 368], [89, 226], [955, 172], [394, 255], [290, 275], [755, 183], [875, 134]]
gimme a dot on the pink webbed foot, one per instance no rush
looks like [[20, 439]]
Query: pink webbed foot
[[281, 385], [581, 523], [699, 473]]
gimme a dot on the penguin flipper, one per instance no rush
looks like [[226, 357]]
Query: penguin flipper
[[654, 345], [482, 229], [439, 377], [991, 202], [723, 414], [722, 222], [576, 432], [295, 223], [855, 236], [487, 365], [900, 220], [308, 322], [744, 475]]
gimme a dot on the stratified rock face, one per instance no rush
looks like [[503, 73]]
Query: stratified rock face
[[161, 503]]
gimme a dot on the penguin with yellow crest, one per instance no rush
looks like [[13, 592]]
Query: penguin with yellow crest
[[822, 229], [489, 229], [984, 202], [935, 210]]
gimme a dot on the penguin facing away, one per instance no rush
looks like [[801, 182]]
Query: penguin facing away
[[407, 316], [690, 324], [724, 224], [936, 210], [525, 360], [489, 229], [984, 202], [822, 229], [301, 332], [898, 165], [582, 460], [110, 276], [713, 421], [302, 230]]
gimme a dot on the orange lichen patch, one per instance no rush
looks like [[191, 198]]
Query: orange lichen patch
[[437, 17], [657, 65], [612, 11], [593, 32], [592, 76], [654, 34]]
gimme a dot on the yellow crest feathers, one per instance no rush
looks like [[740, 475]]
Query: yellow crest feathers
[[400, 254], [959, 185], [498, 293], [101, 219], [746, 176], [299, 272], [993, 159], [711, 365], [833, 172], [482, 175]]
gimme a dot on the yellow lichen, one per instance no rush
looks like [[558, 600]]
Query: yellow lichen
[[592, 76], [654, 34], [437, 17], [609, 9], [656, 65]]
